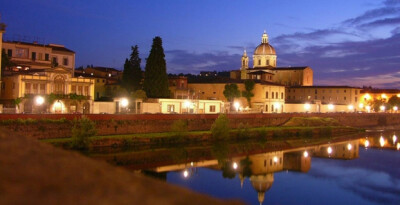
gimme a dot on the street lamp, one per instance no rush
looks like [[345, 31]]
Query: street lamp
[[350, 107], [361, 106], [39, 100], [307, 106], [305, 154], [395, 108], [236, 105], [124, 102], [234, 165], [382, 108], [330, 107], [368, 108]]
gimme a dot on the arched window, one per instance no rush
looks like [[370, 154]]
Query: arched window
[[276, 94], [281, 95], [266, 94], [272, 108], [267, 62], [266, 108], [272, 95], [259, 62], [59, 85]]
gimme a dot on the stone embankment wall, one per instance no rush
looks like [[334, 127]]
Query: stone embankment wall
[[129, 124]]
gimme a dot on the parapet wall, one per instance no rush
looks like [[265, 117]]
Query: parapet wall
[[130, 124]]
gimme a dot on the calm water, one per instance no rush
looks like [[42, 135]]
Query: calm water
[[349, 170]]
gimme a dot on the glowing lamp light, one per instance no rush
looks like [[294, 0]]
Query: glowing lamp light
[[275, 159], [350, 107], [185, 174], [186, 104], [39, 100], [349, 146], [398, 146], [191, 164], [305, 153], [124, 102], [236, 105], [307, 106], [368, 108], [330, 107], [395, 108], [394, 139], [384, 96], [382, 141], [361, 106], [382, 108], [329, 150], [366, 143], [234, 165]]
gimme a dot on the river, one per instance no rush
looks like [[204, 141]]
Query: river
[[354, 169]]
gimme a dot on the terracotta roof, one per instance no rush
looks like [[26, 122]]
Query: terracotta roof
[[292, 68], [54, 47], [324, 86]]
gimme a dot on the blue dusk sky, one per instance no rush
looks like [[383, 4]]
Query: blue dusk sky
[[345, 42]]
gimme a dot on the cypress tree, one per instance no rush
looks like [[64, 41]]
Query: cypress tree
[[132, 74], [155, 76]]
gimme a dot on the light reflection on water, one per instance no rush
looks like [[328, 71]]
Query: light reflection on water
[[363, 170]]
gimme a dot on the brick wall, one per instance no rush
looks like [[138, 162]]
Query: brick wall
[[128, 124]]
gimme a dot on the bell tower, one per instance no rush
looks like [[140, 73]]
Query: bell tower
[[245, 66]]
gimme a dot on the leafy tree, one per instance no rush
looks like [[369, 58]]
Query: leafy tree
[[394, 101], [132, 73], [139, 94], [248, 92], [5, 61], [220, 128], [231, 92], [155, 76], [81, 131], [18, 101]]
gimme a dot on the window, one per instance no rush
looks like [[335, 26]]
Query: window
[[356, 91], [27, 88], [40, 57], [355, 99], [22, 53], [212, 108], [46, 57], [259, 62], [170, 108], [65, 61], [344, 98], [281, 95], [276, 95], [33, 56], [272, 108], [344, 91], [35, 88], [316, 91], [54, 60], [214, 92], [267, 62], [266, 94], [80, 90], [86, 91], [59, 84], [266, 108], [9, 53], [42, 88], [272, 95], [98, 80]]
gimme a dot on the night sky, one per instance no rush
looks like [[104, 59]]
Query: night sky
[[345, 42]]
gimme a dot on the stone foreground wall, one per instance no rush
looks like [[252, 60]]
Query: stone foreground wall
[[129, 124]]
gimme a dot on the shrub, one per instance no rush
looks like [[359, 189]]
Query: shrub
[[179, 128], [81, 131], [242, 131], [220, 128]]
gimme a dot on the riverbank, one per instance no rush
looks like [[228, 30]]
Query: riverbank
[[59, 125], [195, 137], [38, 173]]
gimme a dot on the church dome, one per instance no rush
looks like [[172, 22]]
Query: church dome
[[264, 49]]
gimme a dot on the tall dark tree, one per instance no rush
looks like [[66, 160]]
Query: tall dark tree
[[132, 73], [155, 75]]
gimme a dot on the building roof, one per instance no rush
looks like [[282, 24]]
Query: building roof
[[324, 86], [229, 80], [105, 69], [377, 90], [291, 68], [264, 49], [260, 72], [54, 47]]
